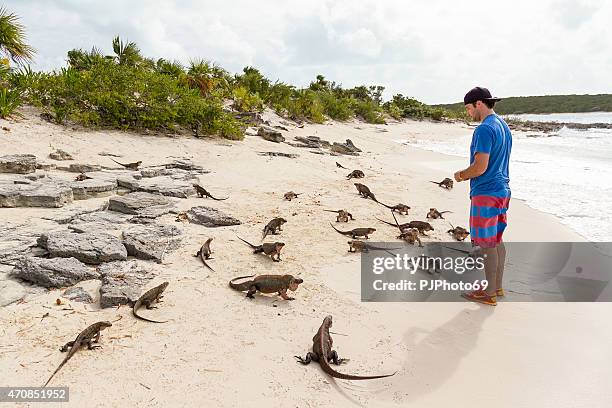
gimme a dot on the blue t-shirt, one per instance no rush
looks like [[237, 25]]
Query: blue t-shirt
[[492, 136]]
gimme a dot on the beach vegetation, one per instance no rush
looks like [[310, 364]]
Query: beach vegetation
[[126, 90]]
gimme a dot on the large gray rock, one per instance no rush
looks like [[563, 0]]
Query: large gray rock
[[60, 155], [10, 292], [18, 163], [141, 204], [343, 148], [17, 238], [312, 141], [91, 248], [99, 221], [349, 143], [89, 188], [210, 217], [270, 134], [154, 172], [152, 241], [36, 194], [83, 168], [77, 294], [164, 185], [122, 282], [54, 272], [186, 165]]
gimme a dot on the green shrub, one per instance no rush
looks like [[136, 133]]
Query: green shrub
[[10, 99], [369, 111], [306, 106], [334, 107], [127, 97], [245, 101]]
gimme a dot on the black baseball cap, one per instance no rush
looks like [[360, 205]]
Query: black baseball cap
[[478, 94]]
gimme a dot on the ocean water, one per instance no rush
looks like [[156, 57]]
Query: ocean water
[[568, 174]]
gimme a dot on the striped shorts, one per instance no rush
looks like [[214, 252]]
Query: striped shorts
[[488, 219]]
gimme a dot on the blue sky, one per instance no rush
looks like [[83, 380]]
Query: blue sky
[[432, 50]]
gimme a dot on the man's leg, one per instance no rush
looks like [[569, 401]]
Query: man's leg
[[501, 261], [491, 262]]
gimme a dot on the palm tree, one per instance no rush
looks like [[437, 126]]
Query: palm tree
[[12, 38], [126, 54]]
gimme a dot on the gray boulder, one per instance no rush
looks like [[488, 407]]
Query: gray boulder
[[53, 273], [60, 155], [122, 282], [186, 165], [98, 221], [77, 294], [35, 194], [141, 204], [210, 217], [89, 188], [89, 247], [10, 292], [83, 168], [164, 185], [351, 146], [342, 148], [152, 241], [18, 163], [270, 134]]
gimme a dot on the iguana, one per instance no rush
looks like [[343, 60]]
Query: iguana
[[267, 284], [322, 352]]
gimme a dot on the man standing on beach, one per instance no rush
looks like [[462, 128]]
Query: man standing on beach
[[489, 189]]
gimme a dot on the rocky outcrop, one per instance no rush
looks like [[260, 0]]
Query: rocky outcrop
[[82, 190], [77, 294], [83, 168], [60, 155], [186, 165], [164, 185], [35, 194], [98, 221], [210, 217], [141, 204], [53, 273], [10, 292], [152, 242], [91, 248], [123, 282], [270, 134], [347, 148], [18, 163], [311, 142]]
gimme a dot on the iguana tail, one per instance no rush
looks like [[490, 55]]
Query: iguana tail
[[337, 230], [247, 242], [218, 199], [240, 286], [386, 222], [121, 164], [384, 205], [329, 370], [134, 312], [396, 223]]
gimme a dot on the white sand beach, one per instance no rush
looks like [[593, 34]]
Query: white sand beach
[[220, 349]]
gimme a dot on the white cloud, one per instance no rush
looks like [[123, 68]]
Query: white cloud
[[433, 50]]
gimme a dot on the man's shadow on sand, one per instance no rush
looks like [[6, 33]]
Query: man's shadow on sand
[[432, 360], [429, 363]]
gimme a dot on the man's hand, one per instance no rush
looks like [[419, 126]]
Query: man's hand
[[458, 177]]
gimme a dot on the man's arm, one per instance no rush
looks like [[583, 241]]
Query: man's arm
[[477, 168]]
